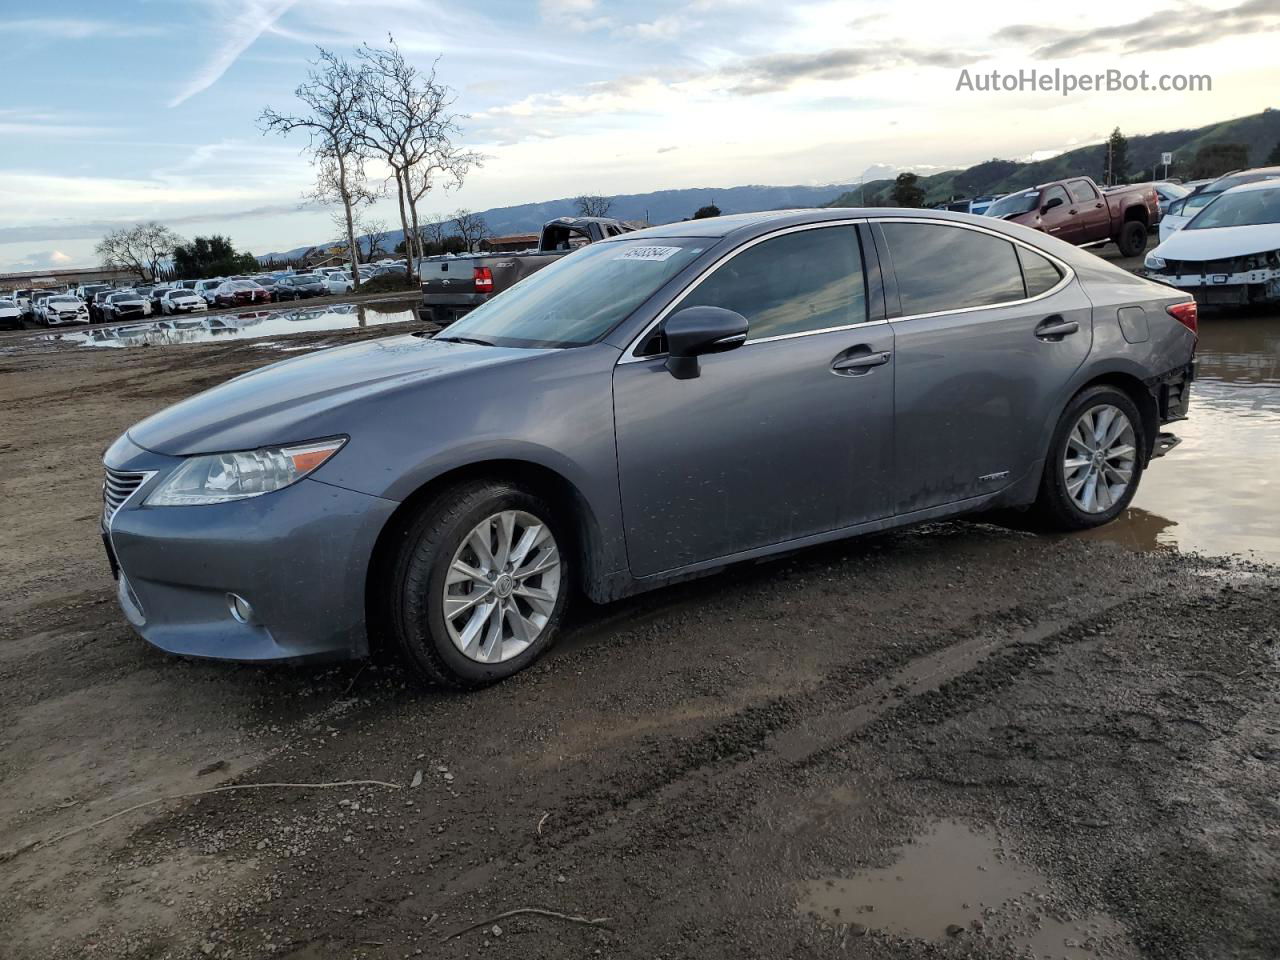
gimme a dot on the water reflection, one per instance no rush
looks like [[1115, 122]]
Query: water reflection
[[252, 324], [1240, 350], [1217, 492]]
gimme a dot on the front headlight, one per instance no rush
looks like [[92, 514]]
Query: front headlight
[[221, 477], [1154, 263]]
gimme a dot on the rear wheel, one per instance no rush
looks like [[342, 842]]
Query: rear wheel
[[1133, 238], [478, 587], [1095, 460]]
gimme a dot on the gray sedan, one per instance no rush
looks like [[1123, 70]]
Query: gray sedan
[[649, 408]]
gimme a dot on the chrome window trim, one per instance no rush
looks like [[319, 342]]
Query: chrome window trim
[[629, 355], [1068, 274]]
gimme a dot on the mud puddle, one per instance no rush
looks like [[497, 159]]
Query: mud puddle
[[958, 884], [1216, 492], [241, 326]]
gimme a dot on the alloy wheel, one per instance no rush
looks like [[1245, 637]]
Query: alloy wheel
[[502, 586], [1100, 458]]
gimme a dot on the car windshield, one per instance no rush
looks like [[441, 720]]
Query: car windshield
[[1246, 209], [579, 298], [1173, 191], [121, 297], [71, 300], [1014, 204], [1198, 201]]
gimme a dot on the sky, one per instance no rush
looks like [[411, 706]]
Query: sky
[[126, 110]]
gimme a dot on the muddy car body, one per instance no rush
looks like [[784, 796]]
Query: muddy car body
[[653, 407]]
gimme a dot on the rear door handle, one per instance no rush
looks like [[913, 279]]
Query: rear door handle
[[1055, 328], [859, 363]]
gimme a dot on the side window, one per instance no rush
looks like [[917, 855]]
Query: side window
[[802, 281], [1053, 192], [941, 267], [1081, 191], [1039, 272]]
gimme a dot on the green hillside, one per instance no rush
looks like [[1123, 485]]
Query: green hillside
[[1260, 132]]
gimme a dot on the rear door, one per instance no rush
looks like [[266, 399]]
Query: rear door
[[787, 436], [1093, 217], [988, 334]]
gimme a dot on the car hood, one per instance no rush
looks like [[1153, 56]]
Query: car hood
[[306, 397], [1217, 243]]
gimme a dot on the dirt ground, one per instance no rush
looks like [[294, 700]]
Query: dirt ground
[[956, 741]]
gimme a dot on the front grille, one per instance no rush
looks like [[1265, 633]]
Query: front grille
[[117, 488]]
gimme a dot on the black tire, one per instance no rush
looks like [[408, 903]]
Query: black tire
[[413, 598], [1133, 238], [1054, 506]]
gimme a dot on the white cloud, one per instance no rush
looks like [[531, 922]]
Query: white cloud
[[241, 23], [73, 28], [580, 16]]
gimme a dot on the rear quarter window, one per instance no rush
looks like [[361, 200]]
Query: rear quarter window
[[1039, 273], [940, 267]]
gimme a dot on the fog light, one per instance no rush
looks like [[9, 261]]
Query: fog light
[[241, 609]]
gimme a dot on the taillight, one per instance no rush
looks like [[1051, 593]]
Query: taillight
[[483, 277], [1187, 314]]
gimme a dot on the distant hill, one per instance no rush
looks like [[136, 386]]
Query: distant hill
[[1260, 131], [661, 206]]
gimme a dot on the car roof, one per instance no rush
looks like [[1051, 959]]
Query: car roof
[[1253, 173], [744, 225], [1254, 185]]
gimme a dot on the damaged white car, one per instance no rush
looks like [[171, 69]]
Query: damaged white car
[[1229, 254]]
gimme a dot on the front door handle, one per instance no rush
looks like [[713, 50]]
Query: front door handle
[[856, 364], [1055, 328]]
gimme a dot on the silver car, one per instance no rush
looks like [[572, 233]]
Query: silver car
[[651, 407]]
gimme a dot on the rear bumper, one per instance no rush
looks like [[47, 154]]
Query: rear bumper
[[299, 556], [1172, 392], [468, 300]]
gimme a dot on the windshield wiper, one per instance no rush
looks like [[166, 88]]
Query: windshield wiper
[[481, 343]]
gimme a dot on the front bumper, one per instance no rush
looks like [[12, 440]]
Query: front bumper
[[1247, 286], [300, 556]]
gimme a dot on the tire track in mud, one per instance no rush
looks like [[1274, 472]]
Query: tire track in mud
[[722, 769]]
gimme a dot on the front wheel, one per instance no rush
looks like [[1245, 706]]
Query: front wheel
[[1095, 460], [479, 583]]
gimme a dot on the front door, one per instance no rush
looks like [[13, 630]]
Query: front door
[[1059, 221], [787, 436]]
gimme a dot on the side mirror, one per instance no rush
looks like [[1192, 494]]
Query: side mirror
[[1050, 204], [694, 331]]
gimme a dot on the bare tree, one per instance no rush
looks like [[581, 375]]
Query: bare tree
[[138, 249], [470, 227], [332, 122], [406, 121], [375, 230], [589, 205], [433, 230]]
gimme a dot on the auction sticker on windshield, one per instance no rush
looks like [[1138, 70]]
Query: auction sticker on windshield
[[647, 253]]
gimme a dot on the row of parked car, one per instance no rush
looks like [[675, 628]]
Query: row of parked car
[[106, 303]]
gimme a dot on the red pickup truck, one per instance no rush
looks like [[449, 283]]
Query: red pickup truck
[[1078, 211]]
